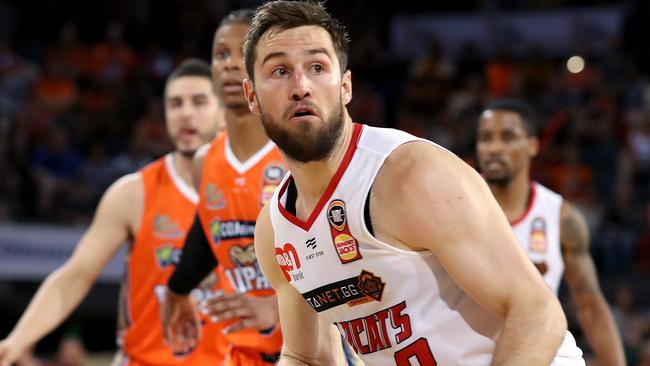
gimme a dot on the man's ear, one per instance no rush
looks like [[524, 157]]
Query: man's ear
[[533, 146], [249, 93], [346, 87]]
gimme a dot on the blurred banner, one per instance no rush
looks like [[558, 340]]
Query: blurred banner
[[31, 252], [557, 31]]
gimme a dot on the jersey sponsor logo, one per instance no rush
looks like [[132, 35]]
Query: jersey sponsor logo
[[214, 197], [245, 275], [215, 230], [351, 291], [240, 181], [538, 235], [166, 228], [243, 255], [167, 255], [272, 176], [234, 229], [247, 278], [346, 246], [287, 258], [371, 285], [311, 244]]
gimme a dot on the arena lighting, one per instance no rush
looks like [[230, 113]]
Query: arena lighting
[[575, 64]]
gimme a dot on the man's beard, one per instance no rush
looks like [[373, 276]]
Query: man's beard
[[188, 153], [306, 144], [501, 181]]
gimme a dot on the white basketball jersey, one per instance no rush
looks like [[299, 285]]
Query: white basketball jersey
[[394, 306], [538, 231]]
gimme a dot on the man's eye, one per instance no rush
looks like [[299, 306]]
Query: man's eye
[[279, 72]]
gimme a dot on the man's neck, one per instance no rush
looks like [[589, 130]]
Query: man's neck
[[183, 166], [246, 134], [513, 197], [313, 178]]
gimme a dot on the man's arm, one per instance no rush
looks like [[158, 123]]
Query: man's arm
[[63, 289], [180, 320], [580, 274], [308, 339], [426, 198]]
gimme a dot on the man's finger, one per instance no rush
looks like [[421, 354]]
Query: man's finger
[[244, 323], [237, 313], [222, 303]]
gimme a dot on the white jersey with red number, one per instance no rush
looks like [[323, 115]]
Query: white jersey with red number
[[394, 306], [538, 231]]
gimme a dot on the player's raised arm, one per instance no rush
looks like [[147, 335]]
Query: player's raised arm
[[63, 289], [427, 198]]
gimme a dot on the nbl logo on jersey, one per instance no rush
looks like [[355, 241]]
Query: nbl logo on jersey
[[272, 176], [538, 235], [347, 247]]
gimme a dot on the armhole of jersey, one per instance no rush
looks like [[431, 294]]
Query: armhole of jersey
[[367, 222], [366, 214], [134, 234], [291, 197]]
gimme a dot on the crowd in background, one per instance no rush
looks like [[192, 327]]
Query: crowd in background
[[81, 104]]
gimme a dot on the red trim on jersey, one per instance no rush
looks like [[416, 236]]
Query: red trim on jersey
[[306, 225], [531, 201]]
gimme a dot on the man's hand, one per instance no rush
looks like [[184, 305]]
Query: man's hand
[[180, 322], [10, 351], [260, 313]]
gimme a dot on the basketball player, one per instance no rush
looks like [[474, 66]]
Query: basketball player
[[152, 210], [392, 238], [551, 230], [236, 175]]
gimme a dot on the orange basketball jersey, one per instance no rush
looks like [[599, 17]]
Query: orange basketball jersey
[[169, 210], [232, 194]]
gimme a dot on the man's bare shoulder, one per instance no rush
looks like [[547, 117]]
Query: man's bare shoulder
[[422, 185], [124, 201], [130, 185], [419, 164]]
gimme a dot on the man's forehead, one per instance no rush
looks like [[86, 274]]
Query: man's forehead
[[500, 118], [227, 31], [304, 37], [189, 86]]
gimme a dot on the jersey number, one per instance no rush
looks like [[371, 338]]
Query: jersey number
[[419, 350]]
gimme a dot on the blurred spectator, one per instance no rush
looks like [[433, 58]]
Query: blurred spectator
[[71, 352], [631, 323], [644, 354], [500, 72], [111, 60]]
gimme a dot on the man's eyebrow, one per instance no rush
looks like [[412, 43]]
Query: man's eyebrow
[[273, 55], [282, 54], [319, 50]]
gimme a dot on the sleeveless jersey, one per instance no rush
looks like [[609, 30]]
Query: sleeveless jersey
[[169, 210], [231, 196], [538, 232], [394, 306]]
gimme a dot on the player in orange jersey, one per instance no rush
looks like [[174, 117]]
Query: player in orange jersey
[[236, 174], [151, 209]]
